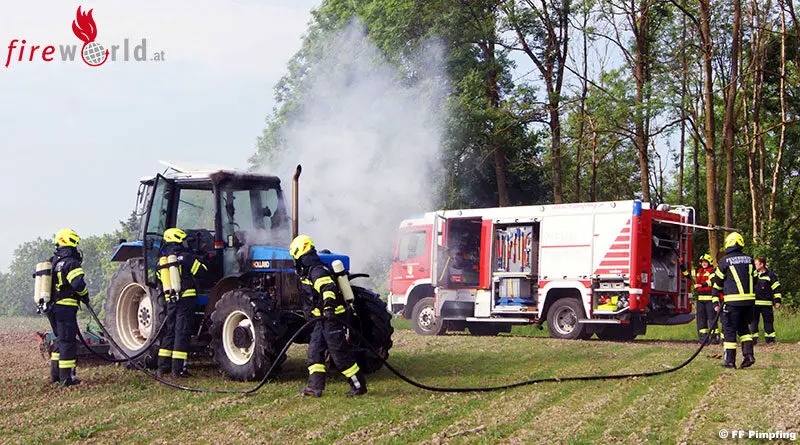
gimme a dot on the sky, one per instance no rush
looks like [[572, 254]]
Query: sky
[[76, 139]]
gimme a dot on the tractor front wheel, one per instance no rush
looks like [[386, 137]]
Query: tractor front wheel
[[244, 334]]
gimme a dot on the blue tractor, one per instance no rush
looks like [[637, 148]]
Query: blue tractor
[[251, 303]]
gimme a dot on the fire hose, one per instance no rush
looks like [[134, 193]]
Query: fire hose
[[396, 372], [105, 357]]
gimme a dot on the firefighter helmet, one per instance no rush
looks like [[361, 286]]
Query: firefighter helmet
[[734, 239], [174, 235], [66, 238], [300, 246], [707, 257]]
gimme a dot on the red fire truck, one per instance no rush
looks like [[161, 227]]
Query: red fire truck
[[605, 268]]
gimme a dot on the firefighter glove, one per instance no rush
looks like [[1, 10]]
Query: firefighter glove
[[84, 298], [329, 312]]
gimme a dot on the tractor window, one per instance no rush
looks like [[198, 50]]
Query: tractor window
[[250, 212], [196, 210]]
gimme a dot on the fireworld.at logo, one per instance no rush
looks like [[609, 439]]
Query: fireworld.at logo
[[92, 52]]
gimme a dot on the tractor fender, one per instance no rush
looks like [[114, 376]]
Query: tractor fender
[[226, 284]]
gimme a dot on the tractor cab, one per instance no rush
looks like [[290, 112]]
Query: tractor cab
[[223, 213]]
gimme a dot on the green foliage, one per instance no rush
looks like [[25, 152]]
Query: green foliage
[[16, 286]]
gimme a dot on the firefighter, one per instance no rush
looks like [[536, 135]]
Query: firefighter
[[768, 291], [319, 287], [734, 278], [174, 349], [707, 304], [69, 287]]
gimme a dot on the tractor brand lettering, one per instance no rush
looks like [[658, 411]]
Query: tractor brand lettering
[[92, 52], [261, 264]]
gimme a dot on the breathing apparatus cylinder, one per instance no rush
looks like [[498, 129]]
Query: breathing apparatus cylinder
[[163, 275], [43, 282], [174, 274], [170, 275], [342, 280]]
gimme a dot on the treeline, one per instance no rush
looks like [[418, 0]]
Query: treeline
[[688, 102], [16, 285]]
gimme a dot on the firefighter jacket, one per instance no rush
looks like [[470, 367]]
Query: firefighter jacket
[[318, 286], [69, 285], [735, 278], [768, 289], [189, 265], [703, 276]]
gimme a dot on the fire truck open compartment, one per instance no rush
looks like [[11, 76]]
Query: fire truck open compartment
[[515, 266], [665, 252], [460, 258]]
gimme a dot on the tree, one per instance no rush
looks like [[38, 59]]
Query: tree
[[542, 33]]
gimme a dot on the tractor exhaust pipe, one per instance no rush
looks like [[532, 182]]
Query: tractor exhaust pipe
[[295, 200]]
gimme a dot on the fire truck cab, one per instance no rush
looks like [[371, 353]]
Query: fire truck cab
[[605, 268]]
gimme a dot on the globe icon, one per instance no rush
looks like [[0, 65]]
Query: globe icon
[[94, 53]]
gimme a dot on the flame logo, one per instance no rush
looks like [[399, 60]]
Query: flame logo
[[84, 26], [92, 53]]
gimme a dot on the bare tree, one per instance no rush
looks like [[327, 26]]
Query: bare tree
[[542, 33], [729, 119], [782, 91]]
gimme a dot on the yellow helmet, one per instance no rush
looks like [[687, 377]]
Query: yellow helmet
[[66, 238], [707, 257], [734, 239], [300, 246], [174, 235]]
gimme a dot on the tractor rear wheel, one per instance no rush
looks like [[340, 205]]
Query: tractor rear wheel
[[133, 314], [244, 334], [375, 323]]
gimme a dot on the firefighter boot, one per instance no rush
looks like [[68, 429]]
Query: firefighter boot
[[67, 377], [358, 385], [179, 368], [747, 351], [770, 339], [54, 374], [730, 358], [316, 384], [164, 365], [715, 339]]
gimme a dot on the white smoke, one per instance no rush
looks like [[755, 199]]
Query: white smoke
[[369, 140]]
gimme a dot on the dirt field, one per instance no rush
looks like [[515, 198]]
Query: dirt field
[[689, 406]]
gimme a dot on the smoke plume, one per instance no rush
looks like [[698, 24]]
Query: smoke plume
[[368, 136]]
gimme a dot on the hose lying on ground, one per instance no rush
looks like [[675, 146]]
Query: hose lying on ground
[[105, 357], [399, 374]]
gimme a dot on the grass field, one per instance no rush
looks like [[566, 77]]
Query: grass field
[[688, 406]]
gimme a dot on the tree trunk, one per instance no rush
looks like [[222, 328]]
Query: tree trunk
[[642, 77], [782, 141], [729, 121], [710, 124], [555, 136], [684, 76], [493, 98], [593, 174], [582, 106]]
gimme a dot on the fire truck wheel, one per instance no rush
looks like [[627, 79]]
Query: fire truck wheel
[[424, 319], [562, 319], [617, 333], [244, 334]]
